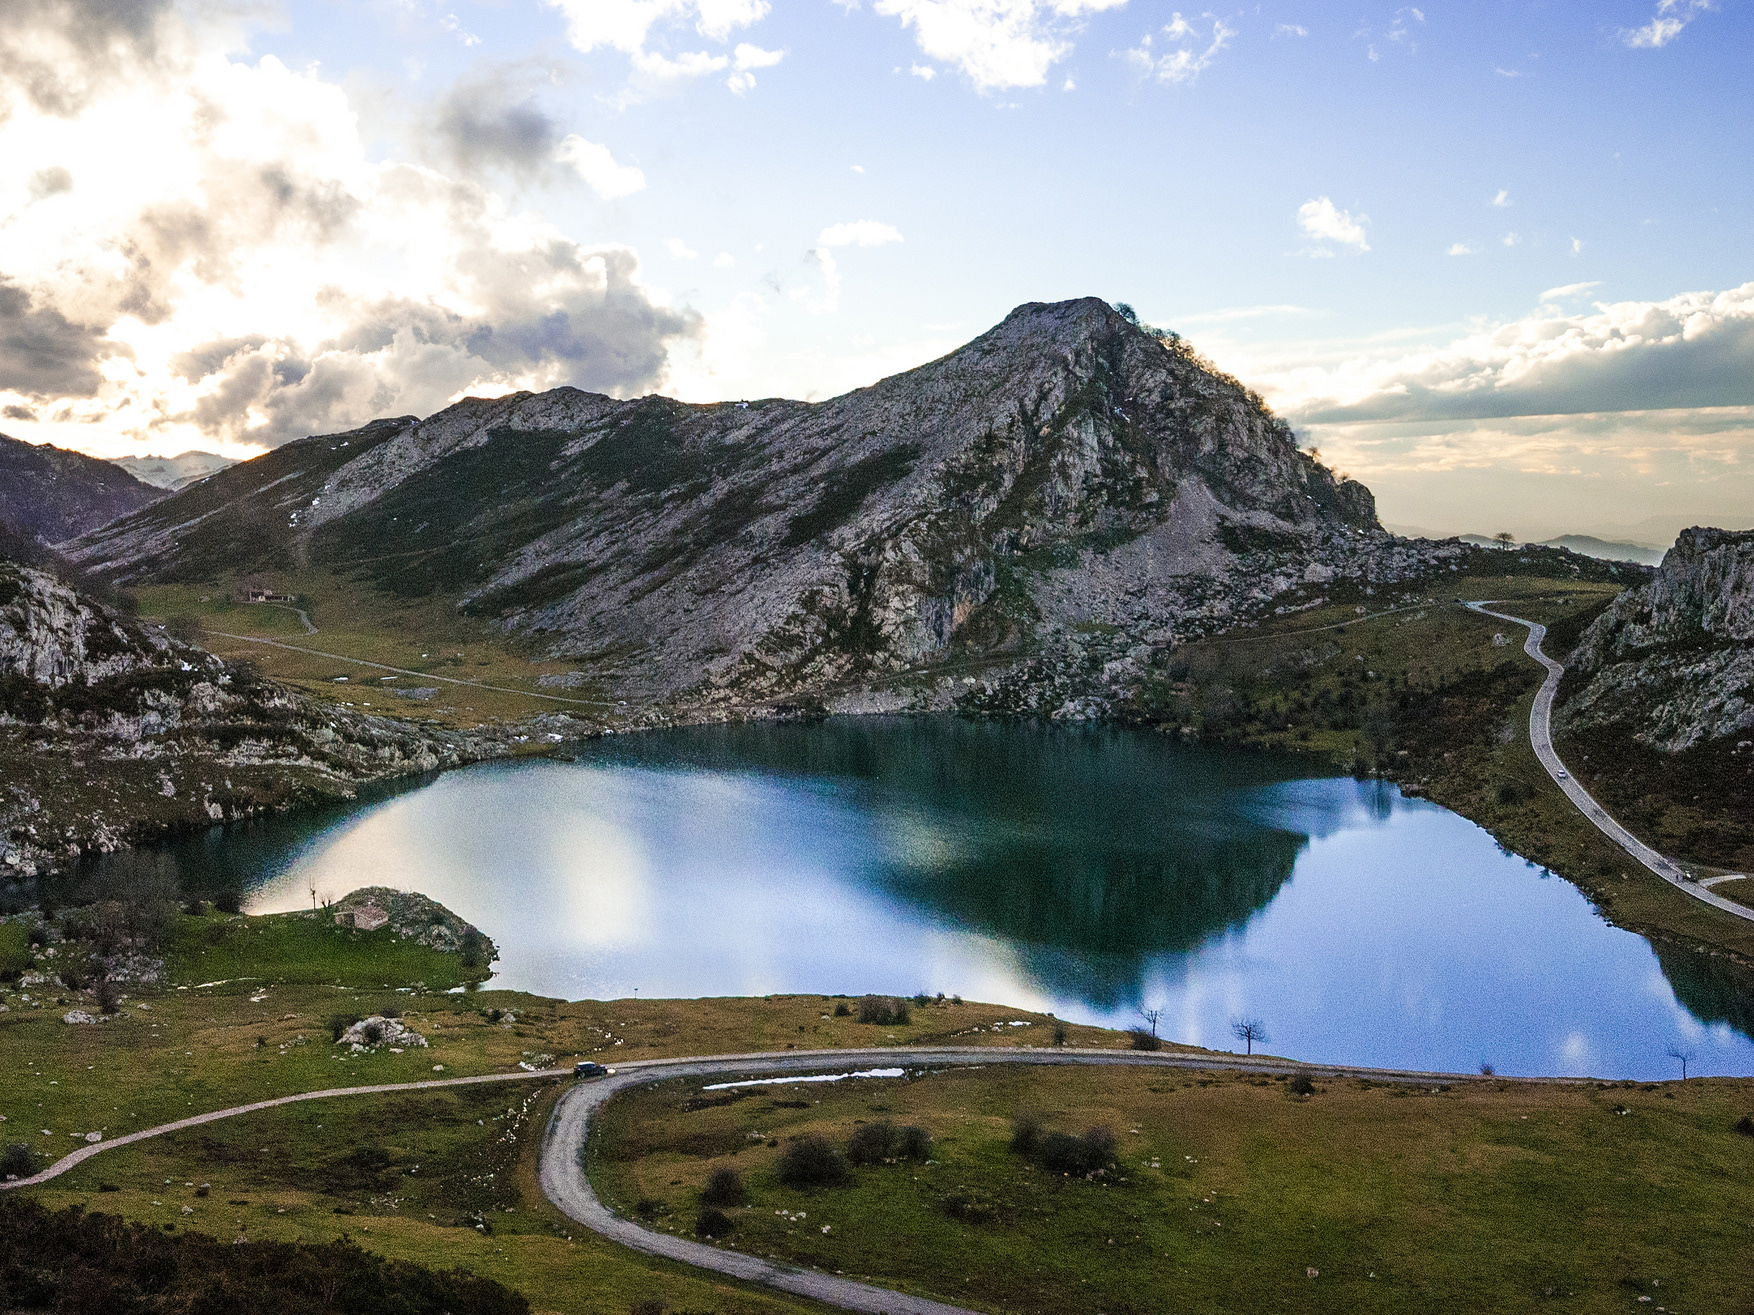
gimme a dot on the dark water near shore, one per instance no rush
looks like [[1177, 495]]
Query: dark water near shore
[[1088, 871]]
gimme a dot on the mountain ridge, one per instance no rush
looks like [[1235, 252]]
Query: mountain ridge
[[52, 494], [1065, 475]]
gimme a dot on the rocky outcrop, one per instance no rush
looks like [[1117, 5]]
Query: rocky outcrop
[[1672, 663], [112, 731], [50, 494]]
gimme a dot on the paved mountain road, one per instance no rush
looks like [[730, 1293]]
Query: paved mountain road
[[1541, 736], [565, 1184]]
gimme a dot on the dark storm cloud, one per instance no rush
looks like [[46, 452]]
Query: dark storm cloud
[[42, 352], [492, 122]]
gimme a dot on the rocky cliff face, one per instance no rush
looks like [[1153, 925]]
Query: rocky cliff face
[[1064, 496], [111, 731], [1672, 663], [50, 494]]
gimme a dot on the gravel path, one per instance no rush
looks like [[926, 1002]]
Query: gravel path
[[1541, 736]]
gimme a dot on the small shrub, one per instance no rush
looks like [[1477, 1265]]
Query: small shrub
[[1300, 1085], [1061, 1152], [17, 1161], [911, 1143], [922, 999], [196, 908], [725, 1187], [883, 1010], [649, 1207], [230, 900], [1025, 1134], [38, 936], [712, 1222], [970, 1207], [870, 1143], [812, 1162], [650, 1306], [842, 1010], [1060, 1034], [109, 996], [1143, 1040], [1745, 1125], [372, 1033], [339, 1023]]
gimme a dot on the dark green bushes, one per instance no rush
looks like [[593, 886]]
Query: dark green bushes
[[80, 1263], [19, 1161], [883, 1009], [712, 1222], [812, 1162], [882, 1142], [725, 1187], [1060, 1152]]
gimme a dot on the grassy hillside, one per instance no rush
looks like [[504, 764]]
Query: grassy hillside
[[1224, 1192]]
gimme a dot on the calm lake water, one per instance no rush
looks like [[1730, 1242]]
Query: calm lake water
[[1091, 872]]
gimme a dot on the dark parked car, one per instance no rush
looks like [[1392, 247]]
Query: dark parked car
[[586, 1069]]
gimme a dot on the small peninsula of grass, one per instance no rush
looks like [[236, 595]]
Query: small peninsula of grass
[[308, 948]]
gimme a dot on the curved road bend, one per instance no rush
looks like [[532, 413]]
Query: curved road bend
[[1541, 736], [563, 1177]]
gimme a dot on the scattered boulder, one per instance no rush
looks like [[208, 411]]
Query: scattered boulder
[[370, 1033]]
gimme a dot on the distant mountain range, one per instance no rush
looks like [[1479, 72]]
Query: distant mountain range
[[174, 472], [50, 494], [1047, 506]]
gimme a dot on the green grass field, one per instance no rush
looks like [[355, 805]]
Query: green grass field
[[1230, 1193], [306, 948]]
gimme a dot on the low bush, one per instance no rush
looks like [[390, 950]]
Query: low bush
[[883, 1009], [811, 1162], [109, 996], [883, 1142], [1745, 1125], [649, 1207], [1143, 1040], [1025, 1134], [229, 901], [17, 1161], [712, 1222], [842, 1009], [725, 1187], [1060, 1034], [1300, 1085], [339, 1023], [1060, 1152]]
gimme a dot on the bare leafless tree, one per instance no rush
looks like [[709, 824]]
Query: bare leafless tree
[[1152, 1016], [1248, 1031], [1685, 1056]]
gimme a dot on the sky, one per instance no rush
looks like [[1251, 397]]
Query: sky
[[1493, 259]]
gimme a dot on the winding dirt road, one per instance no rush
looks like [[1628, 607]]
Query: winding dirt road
[[1541, 736]]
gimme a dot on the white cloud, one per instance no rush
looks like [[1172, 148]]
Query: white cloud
[[858, 233], [1576, 246], [1185, 60], [1666, 24], [724, 260], [1069, 85], [1326, 222], [1508, 72], [1463, 249], [1511, 240], [626, 25], [1692, 350], [1569, 290], [996, 43], [599, 169], [1502, 200], [680, 249], [747, 58], [857, 168], [1290, 30], [237, 264], [924, 72]]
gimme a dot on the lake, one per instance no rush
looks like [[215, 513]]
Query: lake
[[1089, 871]]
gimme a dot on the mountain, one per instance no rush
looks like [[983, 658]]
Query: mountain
[[1066, 484], [1672, 663], [1588, 545], [174, 472], [50, 494]]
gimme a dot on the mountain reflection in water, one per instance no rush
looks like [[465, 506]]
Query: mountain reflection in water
[[1090, 871]]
